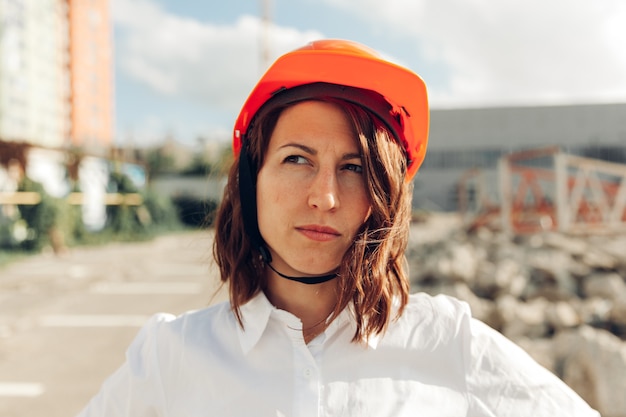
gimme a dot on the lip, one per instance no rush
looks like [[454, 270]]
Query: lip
[[318, 232]]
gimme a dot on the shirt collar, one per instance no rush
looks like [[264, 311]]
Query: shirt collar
[[346, 318], [255, 315]]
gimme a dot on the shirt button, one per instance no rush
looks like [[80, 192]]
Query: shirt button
[[307, 373]]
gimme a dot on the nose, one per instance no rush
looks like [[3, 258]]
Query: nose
[[323, 191]]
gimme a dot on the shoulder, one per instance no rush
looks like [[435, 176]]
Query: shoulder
[[164, 333], [435, 311], [206, 319], [429, 321], [441, 303]]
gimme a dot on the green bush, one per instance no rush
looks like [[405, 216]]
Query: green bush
[[163, 213], [54, 222], [39, 218], [122, 219], [51, 222], [156, 213]]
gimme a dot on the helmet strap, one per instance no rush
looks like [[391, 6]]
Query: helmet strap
[[247, 197]]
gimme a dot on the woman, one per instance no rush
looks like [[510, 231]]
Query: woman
[[310, 238]]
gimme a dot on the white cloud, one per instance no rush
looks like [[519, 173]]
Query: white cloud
[[211, 64], [487, 52], [512, 51]]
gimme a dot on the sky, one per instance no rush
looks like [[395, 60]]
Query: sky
[[183, 68]]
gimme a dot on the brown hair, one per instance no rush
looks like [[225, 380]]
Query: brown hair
[[372, 275]]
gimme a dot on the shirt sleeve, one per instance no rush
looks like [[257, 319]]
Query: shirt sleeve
[[135, 389], [503, 380]]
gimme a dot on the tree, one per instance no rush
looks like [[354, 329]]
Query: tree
[[158, 162]]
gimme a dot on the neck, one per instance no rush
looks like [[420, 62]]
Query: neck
[[312, 304], [318, 279]]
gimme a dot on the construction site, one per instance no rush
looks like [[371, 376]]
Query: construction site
[[518, 211], [546, 189]]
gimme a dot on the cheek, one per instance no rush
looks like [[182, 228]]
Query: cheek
[[271, 190], [267, 204], [362, 205], [270, 204], [274, 197]]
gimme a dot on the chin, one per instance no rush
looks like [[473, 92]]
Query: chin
[[318, 270], [311, 265]]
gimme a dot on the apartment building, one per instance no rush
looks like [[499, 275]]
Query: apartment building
[[91, 69], [34, 77], [56, 89], [56, 75]]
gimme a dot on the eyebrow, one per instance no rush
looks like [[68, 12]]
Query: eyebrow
[[312, 151]]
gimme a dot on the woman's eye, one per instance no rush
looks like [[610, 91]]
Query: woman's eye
[[354, 167], [295, 159]]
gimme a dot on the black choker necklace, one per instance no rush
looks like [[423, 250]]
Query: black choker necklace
[[305, 280]]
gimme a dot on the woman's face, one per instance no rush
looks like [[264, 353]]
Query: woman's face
[[311, 196]]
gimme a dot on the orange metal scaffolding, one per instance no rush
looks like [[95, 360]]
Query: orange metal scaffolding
[[545, 189]]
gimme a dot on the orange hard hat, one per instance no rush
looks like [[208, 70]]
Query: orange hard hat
[[350, 64]]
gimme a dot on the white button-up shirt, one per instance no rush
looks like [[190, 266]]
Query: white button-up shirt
[[434, 361]]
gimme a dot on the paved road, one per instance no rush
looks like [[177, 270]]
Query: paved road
[[65, 322]]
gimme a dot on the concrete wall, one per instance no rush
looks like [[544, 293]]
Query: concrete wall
[[514, 127]]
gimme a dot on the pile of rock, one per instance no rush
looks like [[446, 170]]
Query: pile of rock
[[562, 298]]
